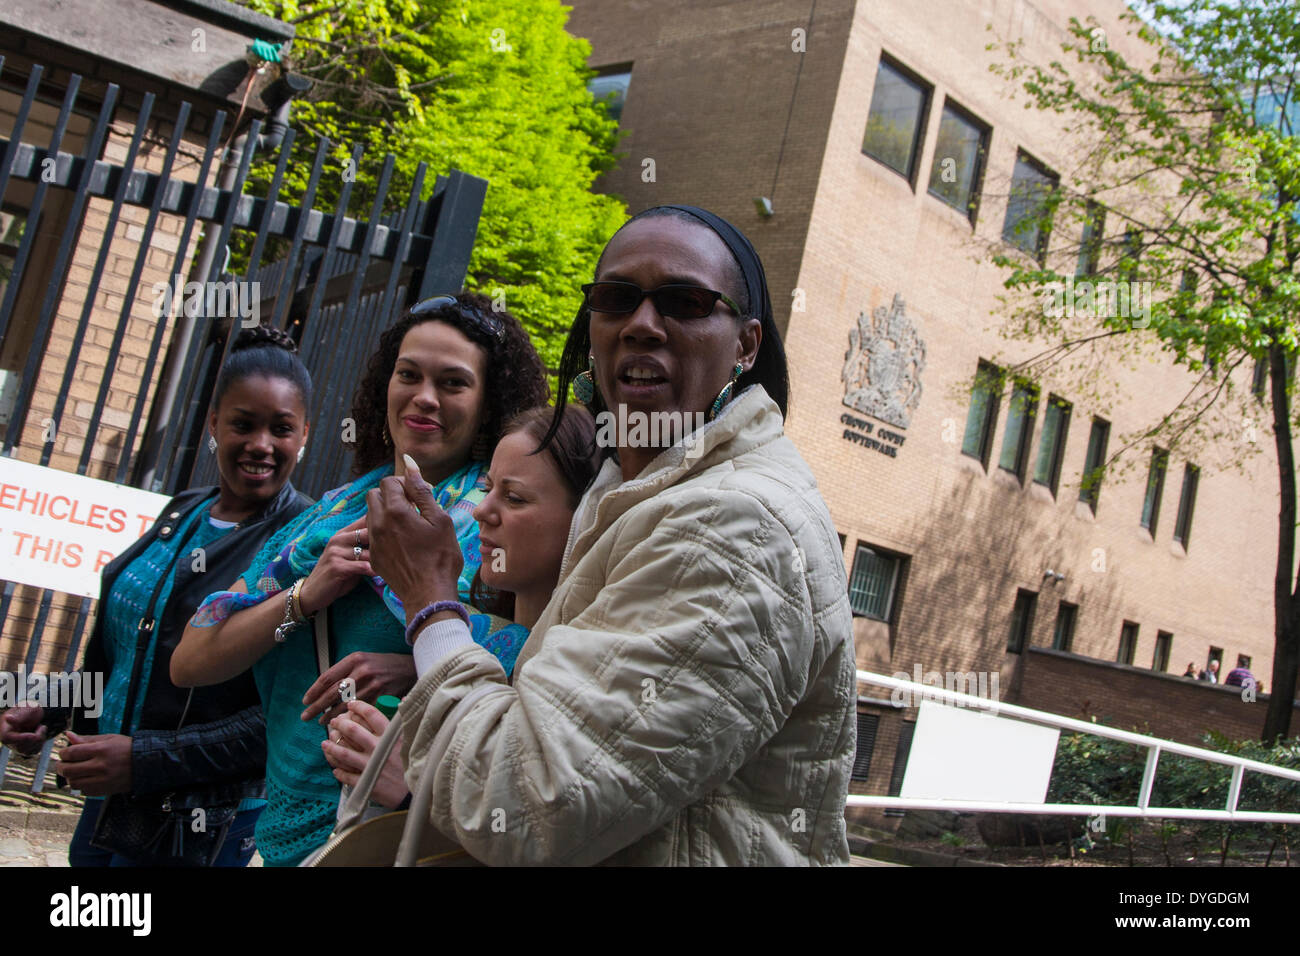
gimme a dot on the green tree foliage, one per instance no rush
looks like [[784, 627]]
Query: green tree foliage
[[495, 88], [1191, 150]]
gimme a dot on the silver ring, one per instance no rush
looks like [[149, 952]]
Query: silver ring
[[356, 553]]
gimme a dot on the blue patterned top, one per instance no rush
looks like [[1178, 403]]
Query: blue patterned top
[[127, 602]]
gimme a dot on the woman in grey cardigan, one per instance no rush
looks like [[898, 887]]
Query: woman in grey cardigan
[[688, 695]]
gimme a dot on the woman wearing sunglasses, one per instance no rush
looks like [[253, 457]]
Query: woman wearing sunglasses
[[438, 389], [687, 696]]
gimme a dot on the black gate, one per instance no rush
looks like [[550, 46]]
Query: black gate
[[63, 221]]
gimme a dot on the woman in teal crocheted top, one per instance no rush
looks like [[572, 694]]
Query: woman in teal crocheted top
[[523, 527], [439, 388]]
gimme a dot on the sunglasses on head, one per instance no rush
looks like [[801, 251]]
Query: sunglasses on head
[[489, 325], [675, 301]]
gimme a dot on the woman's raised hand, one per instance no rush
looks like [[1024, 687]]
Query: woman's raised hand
[[344, 562], [417, 553]]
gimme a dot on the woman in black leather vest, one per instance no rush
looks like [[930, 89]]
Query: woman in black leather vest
[[172, 776]]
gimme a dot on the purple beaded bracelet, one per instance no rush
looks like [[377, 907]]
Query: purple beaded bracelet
[[417, 622]]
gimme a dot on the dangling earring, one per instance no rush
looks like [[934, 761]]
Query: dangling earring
[[724, 396], [584, 383], [212, 444], [388, 439], [302, 451]]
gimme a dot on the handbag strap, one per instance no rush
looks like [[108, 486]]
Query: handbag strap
[[359, 799], [417, 816], [322, 628]]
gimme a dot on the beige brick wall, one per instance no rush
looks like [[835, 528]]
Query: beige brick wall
[[974, 538]]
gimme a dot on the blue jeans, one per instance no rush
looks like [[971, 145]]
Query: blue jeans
[[236, 850]]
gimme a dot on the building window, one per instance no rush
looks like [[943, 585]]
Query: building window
[[901, 753], [1094, 226], [1022, 621], [1186, 505], [867, 725], [1216, 656], [982, 419], [873, 583], [1090, 487], [896, 120], [1051, 447], [1164, 642], [1259, 381], [958, 159], [1155, 488], [1020, 429], [1128, 642], [1026, 226], [1063, 636], [610, 85]]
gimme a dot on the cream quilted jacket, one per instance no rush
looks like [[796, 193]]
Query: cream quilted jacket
[[688, 696]]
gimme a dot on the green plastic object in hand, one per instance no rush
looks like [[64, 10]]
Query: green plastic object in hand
[[266, 51], [388, 705]]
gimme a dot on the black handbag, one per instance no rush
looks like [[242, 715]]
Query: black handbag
[[162, 829]]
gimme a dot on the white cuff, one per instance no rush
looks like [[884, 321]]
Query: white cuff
[[437, 640]]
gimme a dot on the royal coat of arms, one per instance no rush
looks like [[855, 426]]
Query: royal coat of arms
[[882, 368]]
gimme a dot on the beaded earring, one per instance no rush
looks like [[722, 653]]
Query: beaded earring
[[724, 396], [212, 444], [584, 383]]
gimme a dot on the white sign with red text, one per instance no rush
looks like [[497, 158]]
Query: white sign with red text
[[58, 530]]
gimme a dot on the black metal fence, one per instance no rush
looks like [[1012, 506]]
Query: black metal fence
[[339, 284]]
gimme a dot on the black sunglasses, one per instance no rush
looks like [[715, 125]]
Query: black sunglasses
[[673, 301], [489, 325]]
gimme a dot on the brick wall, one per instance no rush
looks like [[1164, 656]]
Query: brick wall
[[726, 109], [1132, 698]]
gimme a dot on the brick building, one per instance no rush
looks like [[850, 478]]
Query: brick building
[[887, 154]]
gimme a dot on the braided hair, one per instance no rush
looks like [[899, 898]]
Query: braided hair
[[265, 352]]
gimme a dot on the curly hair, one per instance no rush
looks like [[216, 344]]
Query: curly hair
[[516, 379]]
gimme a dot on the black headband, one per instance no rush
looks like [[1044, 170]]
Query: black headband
[[751, 267]]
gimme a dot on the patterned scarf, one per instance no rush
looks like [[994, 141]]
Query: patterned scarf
[[294, 550]]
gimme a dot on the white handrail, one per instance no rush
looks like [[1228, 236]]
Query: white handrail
[[1155, 747]]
